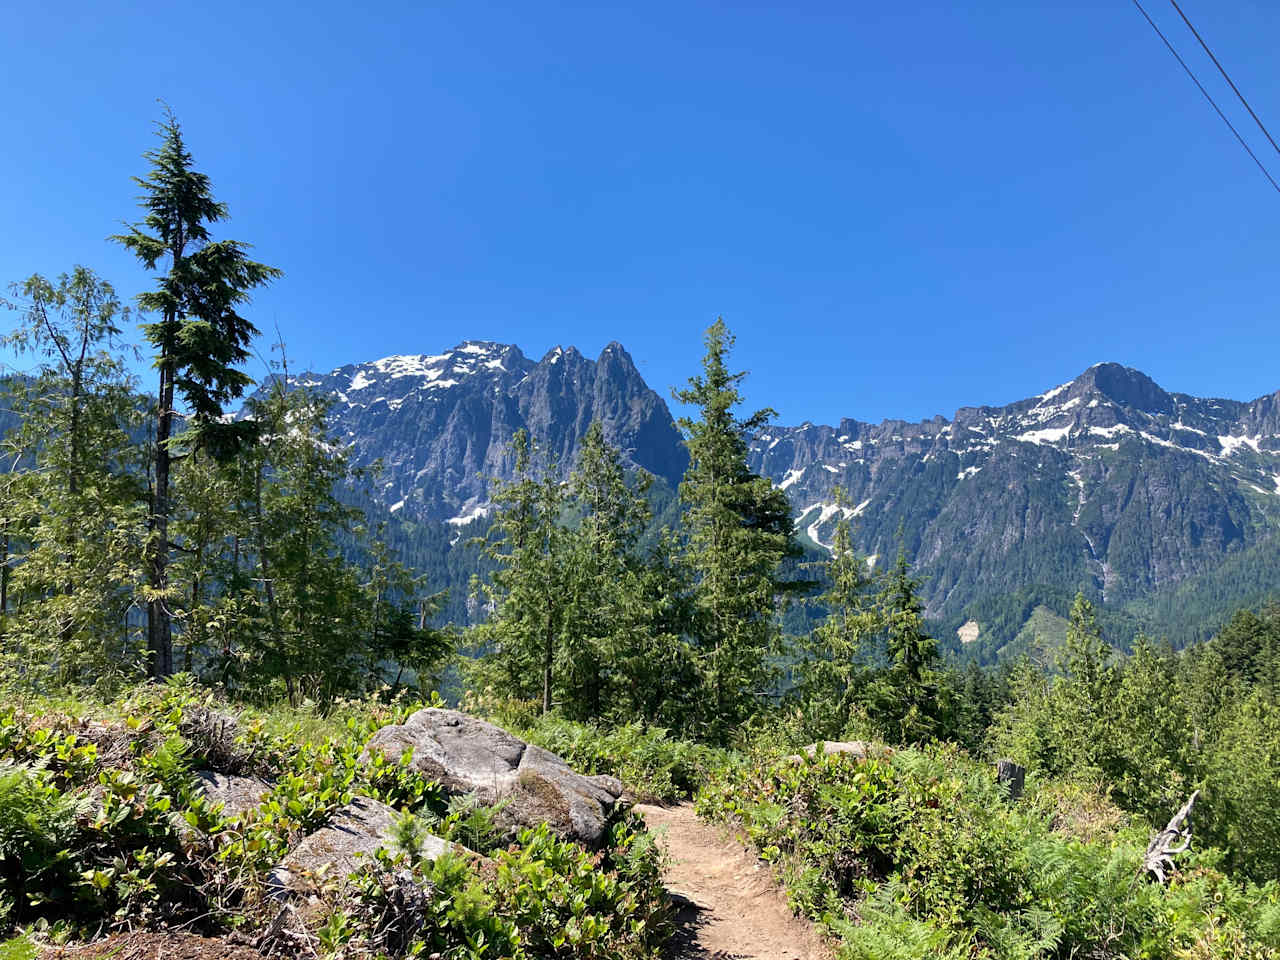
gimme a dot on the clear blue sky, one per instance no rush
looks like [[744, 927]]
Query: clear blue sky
[[898, 208]]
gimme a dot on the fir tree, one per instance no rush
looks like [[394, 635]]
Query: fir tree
[[199, 339], [527, 592], [739, 532], [909, 699], [836, 661]]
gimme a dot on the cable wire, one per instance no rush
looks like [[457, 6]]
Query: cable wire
[[1212, 102], [1222, 70]]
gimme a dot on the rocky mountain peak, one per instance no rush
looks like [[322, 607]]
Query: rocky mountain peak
[[1121, 385]]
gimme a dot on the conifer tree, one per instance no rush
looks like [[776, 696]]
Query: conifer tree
[[199, 339], [739, 532], [908, 700], [603, 575], [836, 656], [527, 592]]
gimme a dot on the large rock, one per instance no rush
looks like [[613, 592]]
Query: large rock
[[344, 845], [471, 756], [236, 794], [859, 749]]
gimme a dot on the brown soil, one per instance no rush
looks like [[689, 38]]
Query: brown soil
[[735, 909], [153, 946]]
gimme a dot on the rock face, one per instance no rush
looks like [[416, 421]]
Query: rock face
[[468, 755], [236, 794], [1106, 483], [344, 845], [442, 423]]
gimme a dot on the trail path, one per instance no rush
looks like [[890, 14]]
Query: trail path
[[736, 910]]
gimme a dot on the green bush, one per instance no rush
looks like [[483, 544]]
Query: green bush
[[922, 855], [93, 840]]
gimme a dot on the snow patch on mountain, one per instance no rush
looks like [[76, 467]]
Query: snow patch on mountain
[[1232, 445], [475, 513], [791, 477], [1048, 435]]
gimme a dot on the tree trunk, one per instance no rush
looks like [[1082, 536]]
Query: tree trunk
[[1011, 775], [159, 628], [268, 587], [4, 575], [548, 653]]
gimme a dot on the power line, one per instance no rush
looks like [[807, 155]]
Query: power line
[[1212, 102], [1223, 71]]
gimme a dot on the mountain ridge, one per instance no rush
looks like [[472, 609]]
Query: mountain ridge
[[1106, 482]]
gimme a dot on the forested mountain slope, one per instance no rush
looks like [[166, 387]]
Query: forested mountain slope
[[1107, 483]]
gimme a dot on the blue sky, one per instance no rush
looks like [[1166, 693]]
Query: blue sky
[[899, 209]]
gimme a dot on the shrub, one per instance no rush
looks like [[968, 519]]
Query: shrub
[[921, 855]]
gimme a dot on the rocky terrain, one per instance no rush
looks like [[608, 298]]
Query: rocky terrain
[[442, 424]]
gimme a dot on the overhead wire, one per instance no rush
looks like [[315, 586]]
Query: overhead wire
[[1213, 103], [1222, 70]]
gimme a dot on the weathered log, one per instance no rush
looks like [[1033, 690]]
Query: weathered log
[[1013, 776], [1168, 843]]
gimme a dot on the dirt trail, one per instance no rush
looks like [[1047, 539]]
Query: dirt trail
[[736, 910]]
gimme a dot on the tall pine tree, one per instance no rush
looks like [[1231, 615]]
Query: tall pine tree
[[740, 530], [198, 340]]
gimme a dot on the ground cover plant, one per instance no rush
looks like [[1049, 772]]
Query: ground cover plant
[[921, 853], [102, 828]]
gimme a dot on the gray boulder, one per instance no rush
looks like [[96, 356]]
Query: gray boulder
[[344, 845], [236, 794], [860, 749], [470, 756]]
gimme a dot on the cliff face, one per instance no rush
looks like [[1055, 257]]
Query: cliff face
[[441, 424]]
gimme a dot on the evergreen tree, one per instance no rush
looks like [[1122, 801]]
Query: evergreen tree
[[836, 656], [310, 592], [527, 594], [198, 340], [603, 574], [739, 531], [906, 698]]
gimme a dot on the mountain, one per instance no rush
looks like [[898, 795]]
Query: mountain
[[442, 424], [1107, 483]]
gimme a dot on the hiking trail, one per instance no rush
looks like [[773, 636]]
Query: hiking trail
[[735, 909]]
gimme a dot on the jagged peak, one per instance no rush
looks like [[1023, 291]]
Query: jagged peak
[[1123, 385]]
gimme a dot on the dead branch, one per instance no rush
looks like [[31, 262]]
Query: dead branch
[[1168, 843]]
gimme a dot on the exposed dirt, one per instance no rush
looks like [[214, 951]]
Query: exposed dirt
[[153, 946], [735, 910]]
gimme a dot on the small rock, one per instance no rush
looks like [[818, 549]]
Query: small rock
[[345, 844], [236, 794]]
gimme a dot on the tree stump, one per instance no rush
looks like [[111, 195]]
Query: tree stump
[[1165, 845], [1012, 775]]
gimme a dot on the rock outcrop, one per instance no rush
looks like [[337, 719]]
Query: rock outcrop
[[344, 845], [470, 756]]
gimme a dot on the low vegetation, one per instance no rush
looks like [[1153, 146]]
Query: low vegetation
[[921, 853], [102, 828]]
